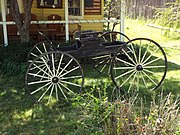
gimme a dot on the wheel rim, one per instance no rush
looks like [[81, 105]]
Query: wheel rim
[[102, 63], [141, 65], [54, 76], [40, 48]]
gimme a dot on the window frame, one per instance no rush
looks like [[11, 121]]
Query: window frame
[[59, 5], [81, 11]]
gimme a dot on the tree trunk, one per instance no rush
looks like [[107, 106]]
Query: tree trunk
[[22, 21]]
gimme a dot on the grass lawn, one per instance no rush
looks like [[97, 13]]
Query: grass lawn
[[20, 116]]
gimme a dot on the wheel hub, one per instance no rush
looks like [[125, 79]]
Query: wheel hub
[[55, 79], [139, 68]]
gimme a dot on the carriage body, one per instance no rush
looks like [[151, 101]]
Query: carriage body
[[89, 44]]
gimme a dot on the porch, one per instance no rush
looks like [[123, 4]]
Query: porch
[[66, 24]]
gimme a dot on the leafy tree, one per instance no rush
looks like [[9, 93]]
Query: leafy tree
[[22, 24], [170, 15]]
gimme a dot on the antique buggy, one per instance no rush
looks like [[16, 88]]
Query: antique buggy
[[55, 72]]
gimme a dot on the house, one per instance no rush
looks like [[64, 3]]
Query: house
[[77, 10], [73, 15]]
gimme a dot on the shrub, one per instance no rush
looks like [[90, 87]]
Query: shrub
[[14, 58], [125, 116]]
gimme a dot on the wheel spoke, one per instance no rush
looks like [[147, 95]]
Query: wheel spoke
[[71, 77], [42, 65], [34, 55], [111, 38], [100, 63], [105, 65], [47, 66], [132, 81], [40, 76], [38, 82], [140, 52], [104, 38], [127, 78], [134, 53], [66, 87], [99, 57], [137, 84], [123, 68], [151, 61], [41, 70], [69, 71], [52, 57], [128, 56], [149, 57], [146, 70], [62, 91], [50, 95], [145, 84], [149, 78], [73, 84], [45, 50], [56, 89], [44, 93], [65, 67], [33, 92], [125, 62], [59, 65], [145, 53], [154, 67], [124, 74]]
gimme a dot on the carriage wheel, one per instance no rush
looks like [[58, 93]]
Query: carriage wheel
[[54, 76], [40, 48], [102, 63], [141, 65]]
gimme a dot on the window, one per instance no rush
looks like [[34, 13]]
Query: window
[[88, 3], [49, 3], [75, 7]]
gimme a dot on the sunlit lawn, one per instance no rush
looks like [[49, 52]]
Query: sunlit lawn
[[19, 115]]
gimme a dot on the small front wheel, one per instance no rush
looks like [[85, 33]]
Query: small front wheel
[[112, 38]]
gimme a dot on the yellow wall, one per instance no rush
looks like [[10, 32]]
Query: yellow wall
[[42, 14]]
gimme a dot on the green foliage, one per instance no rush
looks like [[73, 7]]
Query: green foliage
[[169, 16], [126, 116], [13, 58]]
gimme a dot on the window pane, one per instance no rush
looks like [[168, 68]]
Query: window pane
[[74, 7]]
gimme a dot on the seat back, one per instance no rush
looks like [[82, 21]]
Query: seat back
[[59, 27], [12, 28]]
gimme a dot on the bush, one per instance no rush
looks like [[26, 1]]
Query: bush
[[169, 16], [126, 116], [13, 58]]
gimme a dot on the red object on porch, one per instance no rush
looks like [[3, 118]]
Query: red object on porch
[[59, 34], [11, 29]]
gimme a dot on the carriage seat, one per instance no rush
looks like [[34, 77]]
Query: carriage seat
[[75, 46], [114, 43]]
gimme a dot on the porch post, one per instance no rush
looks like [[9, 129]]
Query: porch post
[[122, 24], [66, 19], [3, 10]]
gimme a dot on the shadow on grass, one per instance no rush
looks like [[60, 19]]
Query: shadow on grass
[[19, 115]]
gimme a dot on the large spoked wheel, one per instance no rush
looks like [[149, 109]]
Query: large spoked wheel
[[54, 76], [141, 65], [102, 63], [40, 48]]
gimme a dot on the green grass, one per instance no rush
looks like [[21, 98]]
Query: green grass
[[20, 116]]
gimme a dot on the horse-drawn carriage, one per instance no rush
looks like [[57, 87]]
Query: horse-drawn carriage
[[55, 70]]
